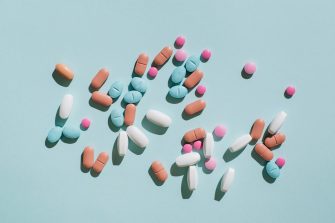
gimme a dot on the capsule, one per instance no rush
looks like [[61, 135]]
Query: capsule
[[192, 80], [99, 79], [192, 178], [263, 151], [194, 134], [163, 56], [101, 161], [277, 122], [101, 99], [195, 107], [257, 129], [275, 140], [64, 71], [88, 157], [141, 64], [129, 114], [158, 169]]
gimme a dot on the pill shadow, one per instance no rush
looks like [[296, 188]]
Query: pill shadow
[[176, 63], [258, 159], [94, 173], [82, 168], [203, 167], [68, 140], [134, 148], [97, 106], [150, 77], [58, 120], [48, 144], [245, 75], [112, 126], [82, 128], [229, 156], [151, 127], [154, 178], [266, 177], [185, 192], [287, 96], [173, 100], [116, 158], [177, 171], [91, 89], [203, 60], [215, 137], [218, 193], [60, 80], [198, 95], [176, 46], [170, 83], [188, 117]]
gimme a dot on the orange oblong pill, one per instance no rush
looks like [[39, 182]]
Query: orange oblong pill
[[101, 161], [159, 171], [163, 56], [194, 134], [275, 140], [195, 107], [192, 80], [129, 114], [88, 157], [263, 151], [101, 99], [257, 129], [64, 71], [99, 79], [141, 64]]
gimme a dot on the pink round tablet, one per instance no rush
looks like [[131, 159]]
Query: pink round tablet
[[180, 41], [85, 123], [206, 54], [187, 148], [201, 89], [210, 163], [180, 55], [290, 91], [153, 72], [250, 68], [220, 131], [197, 145], [280, 162]]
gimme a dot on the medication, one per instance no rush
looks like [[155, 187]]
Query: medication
[[117, 117], [99, 79], [101, 98], [64, 71], [178, 92], [187, 148], [187, 159], [272, 169], [263, 151], [137, 136], [290, 91], [54, 134], [249, 68], [129, 114], [227, 179], [220, 131], [192, 63], [141, 64], [139, 84], [116, 89], [71, 132], [208, 147], [65, 107], [280, 162], [240, 143], [122, 143], [277, 123], [158, 169], [180, 55], [192, 80], [201, 89], [210, 163], [197, 145], [100, 162], [195, 107], [192, 178], [180, 41], [163, 56], [132, 97], [158, 118], [275, 140], [257, 129], [206, 54], [194, 134], [88, 157], [153, 72], [85, 123], [178, 75]]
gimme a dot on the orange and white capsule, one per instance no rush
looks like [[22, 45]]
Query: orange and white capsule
[[141, 64], [257, 129], [101, 161], [101, 99], [194, 78], [275, 140], [88, 157], [99, 79], [163, 56]]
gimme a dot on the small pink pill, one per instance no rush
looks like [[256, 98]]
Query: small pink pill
[[210, 163], [206, 54], [280, 162], [187, 148], [250, 68], [180, 41], [290, 91], [220, 131], [197, 145], [201, 89], [85, 123], [153, 72], [180, 55]]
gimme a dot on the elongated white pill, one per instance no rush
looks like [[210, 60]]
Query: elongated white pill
[[192, 178], [65, 107], [158, 118], [208, 145], [187, 159], [240, 143], [122, 143], [227, 179], [137, 136], [277, 122]]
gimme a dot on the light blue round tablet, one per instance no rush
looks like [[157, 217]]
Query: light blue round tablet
[[178, 75], [272, 169], [139, 84], [71, 132], [132, 97], [116, 89], [54, 134], [117, 117], [178, 91], [192, 63]]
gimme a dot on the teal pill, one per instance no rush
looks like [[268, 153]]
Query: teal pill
[[192, 63], [116, 89], [178, 91], [139, 84], [178, 75], [117, 117], [272, 169], [54, 134], [71, 132], [132, 97]]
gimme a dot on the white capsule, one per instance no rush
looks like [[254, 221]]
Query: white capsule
[[187, 159], [277, 122], [208, 146], [240, 143], [137, 136], [227, 179], [65, 107], [122, 143], [192, 178], [158, 118]]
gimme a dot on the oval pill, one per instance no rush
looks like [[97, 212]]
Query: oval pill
[[65, 107], [275, 140], [158, 118], [139, 84], [240, 143], [129, 114], [163, 56], [194, 134], [178, 75], [187, 159], [194, 78], [159, 171], [88, 157], [116, 89], [122, 143], [100, 162], [117, 117], [277, 122], [192, 63], [141, 64], [71, 132], [208, 145], [178, 92], [137, 136], [227, 179], [54, 134], [272, 169], [99, 79], [257, 129], [192, 178], [263, 151], [132, 97], [195, 107], [64, 71], [101, 99]]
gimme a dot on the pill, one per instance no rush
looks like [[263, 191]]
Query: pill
[[187, 148], [153, 71], [122, 143], [65, 107], [192, 80], [54, 134], [132, 97], [137, 136], [158, 118], [195, 107], [88, 157], [64, 71], [290, 91], [250, 68], [187, 159], [194, 134], [101, 98], [201, 89], [275, 140], [158, 169], [163, 56], [180, 41], [263, 151], [220, 131], [192, 178], [208, 147], [206, 54], [100, 162], [277, 122], [141, 64], [71, 132], [240, 143], [117, 117], [227, 179], [197, 145], [272, 169], [116, 89], [129, 114], [139, 84], [178, 75], [99, 79], [257, 129], [210, 163], [178, 92], [85, 123], [180, 55], [192, 63], [280, 162]]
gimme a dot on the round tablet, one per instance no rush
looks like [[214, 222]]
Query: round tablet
[[153, 72], [180, 41], [220, 131], [250, 68], [201, 89], [206, 54], [290, 91], [180, 55], [187, 148], [85, 123], [197, 145], [210, 163], [280, 162]]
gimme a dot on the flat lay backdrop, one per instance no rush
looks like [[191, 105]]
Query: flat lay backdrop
[[292, 42]]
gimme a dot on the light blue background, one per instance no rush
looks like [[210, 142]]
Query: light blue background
[[292, 42]]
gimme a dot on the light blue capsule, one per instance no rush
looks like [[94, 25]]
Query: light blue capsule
[[178, 91], [272, 169], [192, 63], [71, 132], [116, 89], [117, 117], [139, 84], [132, 97], [178, 75], [54, 134]]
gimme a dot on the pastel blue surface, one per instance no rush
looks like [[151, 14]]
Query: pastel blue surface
[[132, 97], [178, 75], [116, 89], [292, 42], [139, 84], [178, 91], [117, 117], [192, 63]]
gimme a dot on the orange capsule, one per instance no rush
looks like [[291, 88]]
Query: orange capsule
[[195, 107], [64, 71], [194, 134], [88, 157], [192, 80], [257, 129], [141, 64], [99, 79], [163, 56], [159, 170], [275, 140], [263, 151], [101, 99], [129, 114], [101, 161]]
